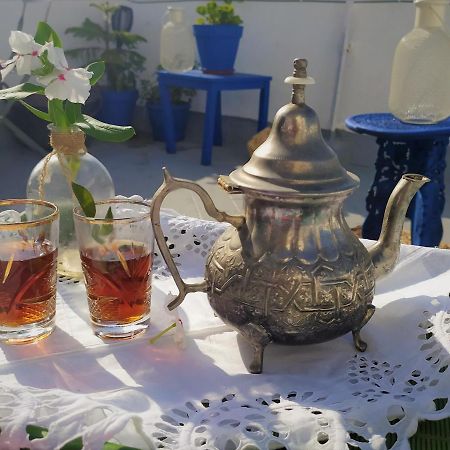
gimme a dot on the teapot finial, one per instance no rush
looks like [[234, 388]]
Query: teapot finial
[[298, 90], [298, 80]]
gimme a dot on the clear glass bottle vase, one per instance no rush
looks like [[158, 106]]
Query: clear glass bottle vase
[[51, 178], [420, 81], [177, 49]]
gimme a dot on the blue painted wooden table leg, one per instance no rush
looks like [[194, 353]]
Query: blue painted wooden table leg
[[263, 106], [209, 126], [169, 126], [406, 148], [218, 125], [428, 158], [391, 164]]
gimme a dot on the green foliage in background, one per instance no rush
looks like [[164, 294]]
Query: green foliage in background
[[118, 49], [218, 14], [150, 92]]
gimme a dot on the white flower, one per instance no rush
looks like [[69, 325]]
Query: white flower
[[27, 54], [67, 84], [56, 56], [179, 336]]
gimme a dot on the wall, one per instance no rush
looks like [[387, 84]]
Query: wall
[[275, 32]]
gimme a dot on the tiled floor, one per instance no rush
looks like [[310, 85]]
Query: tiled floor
[[136, 167]]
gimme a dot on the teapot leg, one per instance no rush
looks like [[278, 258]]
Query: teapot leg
[[360, 345], [258, 338]]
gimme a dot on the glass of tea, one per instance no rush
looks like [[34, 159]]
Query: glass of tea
[[116, 249], [29, 231]]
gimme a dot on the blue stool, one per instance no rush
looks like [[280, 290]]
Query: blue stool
[[403, 148], [213, 85]]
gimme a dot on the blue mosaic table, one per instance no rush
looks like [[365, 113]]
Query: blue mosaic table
[[213, 85], [403, 148]]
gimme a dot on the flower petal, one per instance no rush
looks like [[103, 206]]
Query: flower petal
[[22, 43], [8, 66], [80, 85], [27, 63], [72, 85], [80, 73], [57, 57], [45, 80], [180, 336]]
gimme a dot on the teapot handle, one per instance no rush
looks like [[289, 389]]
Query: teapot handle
[[171, 184]]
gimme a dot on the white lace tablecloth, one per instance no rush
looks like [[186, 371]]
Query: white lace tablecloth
[[324, 396]]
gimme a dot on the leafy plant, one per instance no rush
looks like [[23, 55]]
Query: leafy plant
[[178, 95], [66, 90], [214, 14], [117, 48]]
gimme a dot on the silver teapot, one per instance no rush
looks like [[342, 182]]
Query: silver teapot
[[290, 271]]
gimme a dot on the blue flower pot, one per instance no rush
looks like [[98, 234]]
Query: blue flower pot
[[180, 114], [217, 47], [118, 106]]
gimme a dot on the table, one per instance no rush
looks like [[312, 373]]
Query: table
[[213, 85], [163, 396], [406, 148]]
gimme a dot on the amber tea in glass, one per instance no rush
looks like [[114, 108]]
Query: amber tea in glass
[[116, 256], [28, 253]]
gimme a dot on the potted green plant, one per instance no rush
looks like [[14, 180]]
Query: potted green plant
[[118, 49], [218, 32], [181, 105]]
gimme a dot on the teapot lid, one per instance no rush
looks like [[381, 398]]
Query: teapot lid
[[295, 159]]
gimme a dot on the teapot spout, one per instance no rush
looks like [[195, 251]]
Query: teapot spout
[[385, 252]]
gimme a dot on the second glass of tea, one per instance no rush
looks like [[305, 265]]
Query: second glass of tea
[[28, 251], [116, 249]]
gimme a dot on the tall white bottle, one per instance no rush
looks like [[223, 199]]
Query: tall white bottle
[[177, 52], [420, 82]]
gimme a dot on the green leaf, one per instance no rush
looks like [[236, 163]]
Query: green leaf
[[45, 33], [85, 55], [104, 7], [130, 40], [20, 91], [106, 229], [216, 14], [105, 131], [89, 30], [100, 231], [109, 214], [98, 69], [37, 432], [85, 199], [96, 235], [37, 112], [42, 34], [46, 68]]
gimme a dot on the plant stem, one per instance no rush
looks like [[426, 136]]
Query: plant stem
[[162, 333], [57, 114]]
